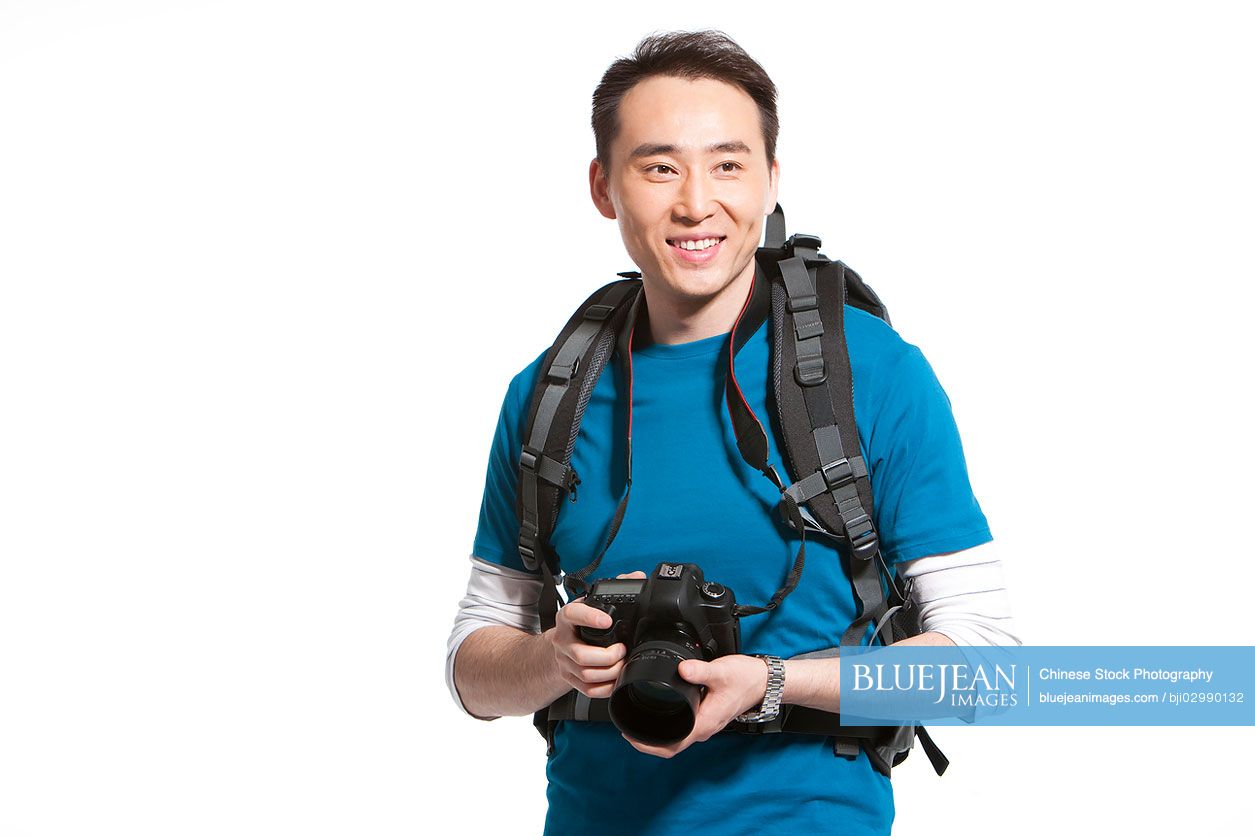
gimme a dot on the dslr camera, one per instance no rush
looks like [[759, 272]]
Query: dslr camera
[[673, 615]]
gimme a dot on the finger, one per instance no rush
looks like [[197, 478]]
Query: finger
[[593, 676], [637, 574], [582, 615], [696, 671], [591, 656], [596, 692]]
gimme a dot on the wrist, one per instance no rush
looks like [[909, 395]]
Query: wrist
[[768, 706], [549, 658], [759, 692], [814, 683]]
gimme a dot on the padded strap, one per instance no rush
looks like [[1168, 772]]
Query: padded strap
[[577, 582], [569, 371], [821, 375]]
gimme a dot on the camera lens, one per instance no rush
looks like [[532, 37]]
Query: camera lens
[[652, 702], [655, 697]]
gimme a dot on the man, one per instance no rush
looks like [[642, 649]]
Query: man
[[686, 133]]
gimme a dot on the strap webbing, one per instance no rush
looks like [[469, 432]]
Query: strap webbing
[[797, 719], [808, 328], [935, 756], [774, 236]]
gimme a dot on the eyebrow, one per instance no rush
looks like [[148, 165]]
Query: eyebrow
[[649, 149]]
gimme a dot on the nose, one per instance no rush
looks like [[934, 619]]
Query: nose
[[694, 202]]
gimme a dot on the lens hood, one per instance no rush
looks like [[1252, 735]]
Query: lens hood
[[652, 703]]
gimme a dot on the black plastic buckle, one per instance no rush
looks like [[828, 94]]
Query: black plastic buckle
[[810, 371], [598, 312], [857, 523], [527, 544], [527, 458], [838, 474], [804, 241], [563, 374], [865, 545], [802, 304]]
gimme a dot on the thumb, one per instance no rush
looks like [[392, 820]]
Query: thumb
[[696, 671]]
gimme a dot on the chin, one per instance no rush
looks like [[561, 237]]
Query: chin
[[695, 289]]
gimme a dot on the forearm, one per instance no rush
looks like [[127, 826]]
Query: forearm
[[816, 683], [504, 672]]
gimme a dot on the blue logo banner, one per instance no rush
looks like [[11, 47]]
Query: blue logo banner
[[1048, 686]]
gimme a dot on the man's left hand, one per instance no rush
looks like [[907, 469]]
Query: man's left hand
[[734, 685]]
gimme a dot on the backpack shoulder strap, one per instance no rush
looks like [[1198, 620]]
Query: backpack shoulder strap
[[814, 390], [814, 394], [570, 368], [567, 376], [568, 373]]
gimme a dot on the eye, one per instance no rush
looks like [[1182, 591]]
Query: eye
[[655, 169], [729, 167]]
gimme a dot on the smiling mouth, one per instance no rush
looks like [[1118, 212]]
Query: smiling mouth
[[696, 246]]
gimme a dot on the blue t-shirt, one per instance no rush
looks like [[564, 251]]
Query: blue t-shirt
[[694, 499]]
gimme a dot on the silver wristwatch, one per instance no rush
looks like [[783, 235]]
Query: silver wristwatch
[[775, 689]]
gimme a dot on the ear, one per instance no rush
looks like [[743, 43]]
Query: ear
[[600, 189], [773, 187]]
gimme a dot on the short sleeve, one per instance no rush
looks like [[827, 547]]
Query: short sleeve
[[497, 536], [923, 497]]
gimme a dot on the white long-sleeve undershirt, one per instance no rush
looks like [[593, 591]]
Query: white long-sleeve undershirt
[[960, 595]]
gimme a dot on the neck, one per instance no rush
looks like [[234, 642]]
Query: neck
[[675, 319]]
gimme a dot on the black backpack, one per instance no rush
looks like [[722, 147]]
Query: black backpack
[[804, 293]]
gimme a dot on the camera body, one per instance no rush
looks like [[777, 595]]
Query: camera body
[[676, 598], [673, 615]]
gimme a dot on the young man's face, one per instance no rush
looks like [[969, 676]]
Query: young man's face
[[688, 169]]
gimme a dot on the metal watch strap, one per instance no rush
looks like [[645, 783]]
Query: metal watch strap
[[775, 690]]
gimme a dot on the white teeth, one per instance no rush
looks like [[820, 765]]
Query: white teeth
[[698, 245]]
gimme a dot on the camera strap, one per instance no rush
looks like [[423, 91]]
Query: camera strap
[[751, 438]]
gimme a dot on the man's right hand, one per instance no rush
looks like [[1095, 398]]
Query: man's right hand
[[591, 670]]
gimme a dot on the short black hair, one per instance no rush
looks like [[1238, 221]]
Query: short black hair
[[707, 53]]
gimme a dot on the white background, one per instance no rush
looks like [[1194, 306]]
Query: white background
[[267, 270]]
